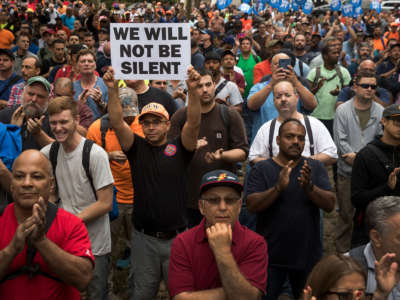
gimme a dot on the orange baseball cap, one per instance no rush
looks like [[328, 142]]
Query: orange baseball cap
[[154, 108]]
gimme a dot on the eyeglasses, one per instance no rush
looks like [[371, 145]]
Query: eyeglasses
[[155, 123], [350, 295], [306, 24], [366, 86], [217, 200]]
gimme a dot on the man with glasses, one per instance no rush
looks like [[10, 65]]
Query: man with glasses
[[159, 175], [220, 258], [376, 171], [356, 123]]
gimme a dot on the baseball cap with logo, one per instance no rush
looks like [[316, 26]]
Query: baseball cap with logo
[[154, 108], [39, 79], [220, 178]]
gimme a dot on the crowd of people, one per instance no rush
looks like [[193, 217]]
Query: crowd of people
[[217, 184]]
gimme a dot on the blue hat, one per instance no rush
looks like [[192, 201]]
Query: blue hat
[[220, 178]]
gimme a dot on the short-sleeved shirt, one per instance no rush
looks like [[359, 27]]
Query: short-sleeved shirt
[[121, 171], [192, 265], [67, 232], [230, 92], [159, 176], [247, 66], [291, 224], [75, 191], [325, 109], [323, 142]]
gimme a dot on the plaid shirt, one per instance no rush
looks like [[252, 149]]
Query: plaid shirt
[[16, 94]]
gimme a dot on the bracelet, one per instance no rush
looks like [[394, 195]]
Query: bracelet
[[276, 189]]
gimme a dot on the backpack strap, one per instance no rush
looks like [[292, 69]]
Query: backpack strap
[[381, 157], [339, 73], [301, 68], [220, 87], [30, 268], [310, 134], [104, 126], [87, 146], [271, 136], [55, 146], [317, 75], [383, 43]]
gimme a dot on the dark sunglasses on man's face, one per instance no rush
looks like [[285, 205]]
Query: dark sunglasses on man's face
[[366, 86]]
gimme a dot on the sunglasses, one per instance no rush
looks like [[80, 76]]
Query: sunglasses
[[366, 86]]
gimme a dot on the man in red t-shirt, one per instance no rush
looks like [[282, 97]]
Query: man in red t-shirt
[[218, 259], [63, 255]]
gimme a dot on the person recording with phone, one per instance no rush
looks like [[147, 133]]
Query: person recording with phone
[[261, 97]]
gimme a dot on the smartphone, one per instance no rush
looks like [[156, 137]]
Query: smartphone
[[283, 63]]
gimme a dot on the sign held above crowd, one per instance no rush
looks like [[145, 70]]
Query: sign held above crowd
[[150, 51]]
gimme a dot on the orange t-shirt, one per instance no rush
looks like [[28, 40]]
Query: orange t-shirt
[[392, 35], [378, 45], [121, 172], [6, 38], [260, 70]]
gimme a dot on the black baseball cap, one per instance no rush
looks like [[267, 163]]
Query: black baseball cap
[[220, 178], [7, 52], [391, 111], [227, 52], [212, 55]]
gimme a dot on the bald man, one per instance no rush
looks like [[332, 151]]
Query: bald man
[[63, 262]]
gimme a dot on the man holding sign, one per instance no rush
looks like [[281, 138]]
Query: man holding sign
[[158, 167]]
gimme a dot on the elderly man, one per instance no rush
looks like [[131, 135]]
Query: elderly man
[[383, 215], [31, 115], [218, 259], [63, 262]]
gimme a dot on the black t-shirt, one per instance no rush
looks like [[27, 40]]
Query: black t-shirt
[[291, 224], [158, 96], [28, 141], [47, 63], [159, 176]]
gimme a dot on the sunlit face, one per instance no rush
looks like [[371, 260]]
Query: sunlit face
[[86, 64], [28, 68]]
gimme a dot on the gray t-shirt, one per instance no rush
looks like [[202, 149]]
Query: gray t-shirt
[[75, 191]]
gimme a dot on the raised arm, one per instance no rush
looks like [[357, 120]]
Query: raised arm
[[122, 130], [190, 130]]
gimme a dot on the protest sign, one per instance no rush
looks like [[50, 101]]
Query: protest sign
[[150, 51]]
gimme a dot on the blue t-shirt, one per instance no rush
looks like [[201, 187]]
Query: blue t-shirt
[[90, 102], [68, 21], [3, 83]]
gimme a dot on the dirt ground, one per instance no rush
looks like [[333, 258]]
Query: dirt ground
[[121, 283]]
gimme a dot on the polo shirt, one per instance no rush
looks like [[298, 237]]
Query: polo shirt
[[192, 265]]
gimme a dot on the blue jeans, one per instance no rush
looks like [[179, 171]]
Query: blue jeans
[[98, 286]]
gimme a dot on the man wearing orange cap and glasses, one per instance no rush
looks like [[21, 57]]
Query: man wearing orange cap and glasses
[[158, 167]]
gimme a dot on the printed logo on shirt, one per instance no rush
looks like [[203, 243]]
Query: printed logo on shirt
[[170, 150], [219, 135], [88, 252]]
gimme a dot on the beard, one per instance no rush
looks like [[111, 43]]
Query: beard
[[32, 110]]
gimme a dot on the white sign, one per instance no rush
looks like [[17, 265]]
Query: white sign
[[150, 51]]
